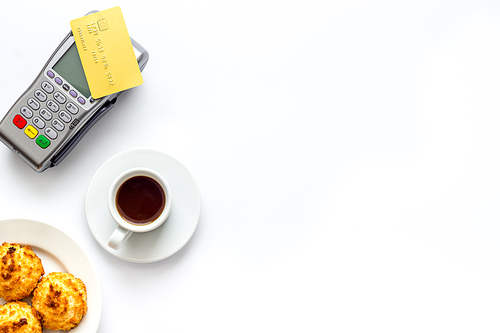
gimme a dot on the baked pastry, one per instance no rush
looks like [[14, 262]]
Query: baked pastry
[[61, 300], [19, 317], [20, 271]]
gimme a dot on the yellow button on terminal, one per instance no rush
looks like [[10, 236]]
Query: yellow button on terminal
[[31, 131]]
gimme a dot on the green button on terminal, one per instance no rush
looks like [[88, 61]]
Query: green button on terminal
[[42, 141]]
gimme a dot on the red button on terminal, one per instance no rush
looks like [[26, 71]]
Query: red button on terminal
[[19, 121]]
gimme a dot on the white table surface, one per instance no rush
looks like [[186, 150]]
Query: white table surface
[[347, 154]]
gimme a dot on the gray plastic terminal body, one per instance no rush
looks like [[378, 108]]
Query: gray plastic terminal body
[[88, 114]]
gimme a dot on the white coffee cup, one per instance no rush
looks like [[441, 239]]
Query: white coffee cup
[[133, 209]]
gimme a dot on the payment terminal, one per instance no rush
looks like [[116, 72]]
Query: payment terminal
[[57, 109]]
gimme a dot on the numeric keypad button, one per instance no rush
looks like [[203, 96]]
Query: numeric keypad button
[[33, 104], [45, 114], [72, 108], [38, 122], [25, 111], [58, 125], [53, 106], [59, 97], [40, 95], [49, 89], [65, 116], [51, 133]]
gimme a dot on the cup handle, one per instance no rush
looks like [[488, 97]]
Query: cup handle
[[118, 237]]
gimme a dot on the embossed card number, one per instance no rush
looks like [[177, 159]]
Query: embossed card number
[[106, 52]]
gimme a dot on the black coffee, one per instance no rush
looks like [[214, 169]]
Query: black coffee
[[140, 200]]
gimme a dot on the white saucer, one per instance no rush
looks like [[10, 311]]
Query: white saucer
[[162, 242]]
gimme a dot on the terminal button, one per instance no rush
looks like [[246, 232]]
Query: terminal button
[[65, 116], [53, 106], [58, 125], [59, 97], [72, 108], [45, 114], [25, 111], [33, 103], [51, 133], [19, 121], [49, 89], [31, 131], [42, 141], [38, 122], [40, 95]]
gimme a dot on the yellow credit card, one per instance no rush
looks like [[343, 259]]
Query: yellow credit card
[[106, 52]]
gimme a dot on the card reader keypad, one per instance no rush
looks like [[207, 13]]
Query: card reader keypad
[[46, 112]]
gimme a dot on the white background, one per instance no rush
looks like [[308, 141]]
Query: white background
[[346, 153]]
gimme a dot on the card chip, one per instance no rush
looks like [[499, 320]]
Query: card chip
[[103, 24]]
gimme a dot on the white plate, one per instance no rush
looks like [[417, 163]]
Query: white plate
[[168, 238], [59, 253]]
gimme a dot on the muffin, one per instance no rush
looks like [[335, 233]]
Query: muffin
[[61, 300], [19, 317], [20, 271]]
